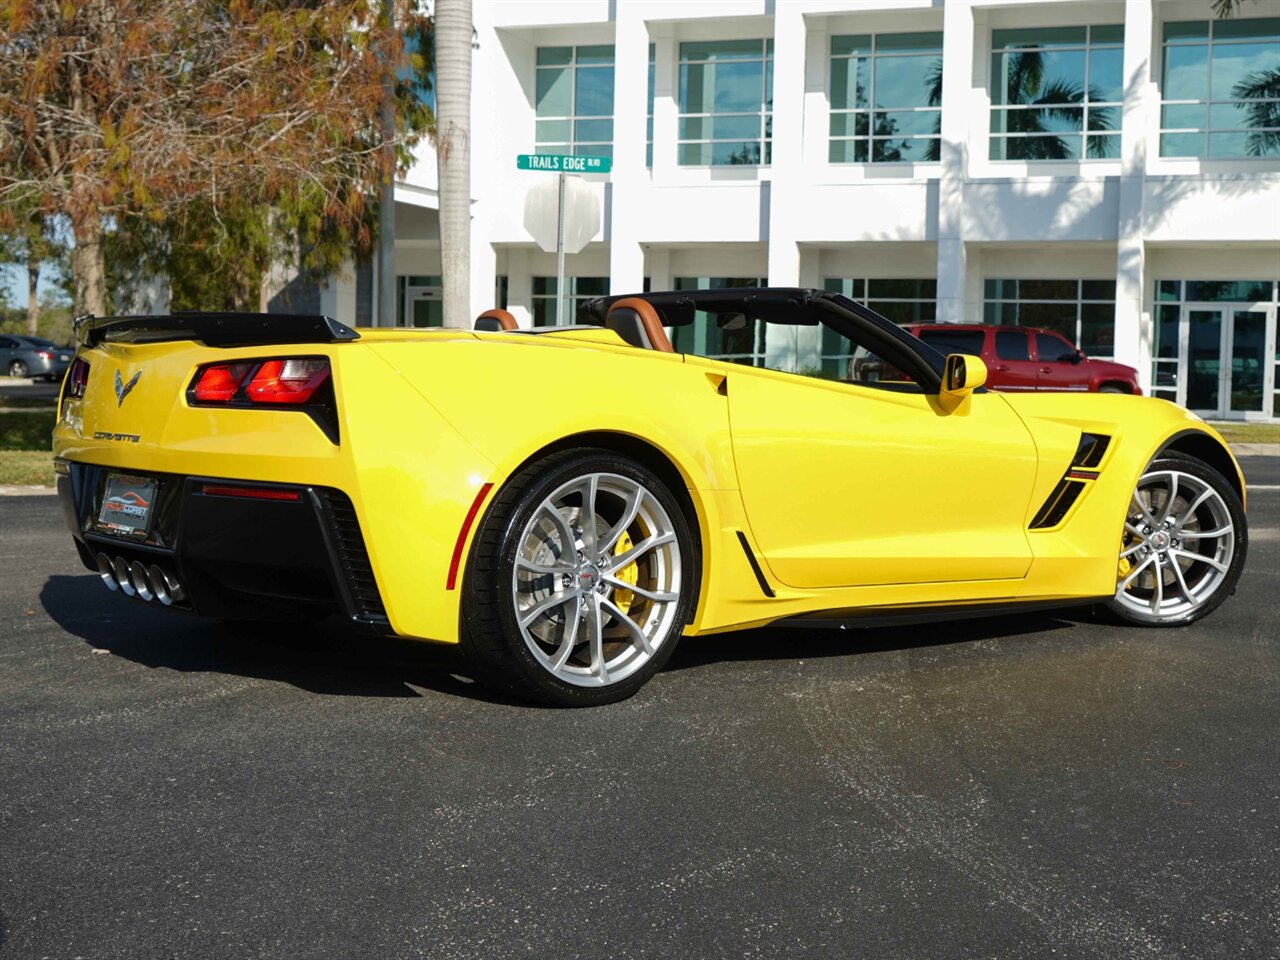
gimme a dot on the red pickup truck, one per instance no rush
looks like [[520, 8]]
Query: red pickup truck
[[1028, 358]]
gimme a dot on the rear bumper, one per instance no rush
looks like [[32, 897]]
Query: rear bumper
[[232, 556]]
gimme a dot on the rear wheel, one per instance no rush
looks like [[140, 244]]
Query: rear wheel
[[18, 369], [580, 582], [1112, 388], [1184, 544]]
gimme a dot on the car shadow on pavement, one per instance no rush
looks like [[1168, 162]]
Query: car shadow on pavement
[[330, 657], [810, 643], [335, 659]]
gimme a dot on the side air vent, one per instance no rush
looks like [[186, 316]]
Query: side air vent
[[354, 559], [1083, 470], [1092, 448], [1060, 501]]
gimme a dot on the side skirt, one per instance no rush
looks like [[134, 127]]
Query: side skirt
[[905, 616]]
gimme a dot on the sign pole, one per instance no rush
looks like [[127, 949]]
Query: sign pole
[[560, 255]]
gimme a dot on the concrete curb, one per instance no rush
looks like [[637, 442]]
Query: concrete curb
[[1256, 449], [20, 491]]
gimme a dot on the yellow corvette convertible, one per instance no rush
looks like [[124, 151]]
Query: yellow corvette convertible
[[566, 502]]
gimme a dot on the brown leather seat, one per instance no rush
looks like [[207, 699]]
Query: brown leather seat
[[495, 321], [638, 324]]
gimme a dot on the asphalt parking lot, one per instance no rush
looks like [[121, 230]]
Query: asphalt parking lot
[[1029, 786]]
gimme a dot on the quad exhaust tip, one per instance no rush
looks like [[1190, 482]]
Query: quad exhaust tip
[[138, 580]]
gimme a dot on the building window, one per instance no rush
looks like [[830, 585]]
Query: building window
[[726, 102], [901, 301], [886, 95], [728, 337], [1056, 93], [580, 289], [1221, 89], [420, 301], [1083, 311], [648, 146], [574, 106]]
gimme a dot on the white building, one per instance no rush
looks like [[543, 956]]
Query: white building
[[1110, 169]]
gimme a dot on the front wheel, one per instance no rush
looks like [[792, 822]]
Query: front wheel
[[1184, 544], [581, 581]]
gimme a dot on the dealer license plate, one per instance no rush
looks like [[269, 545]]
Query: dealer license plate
[[127, 505]]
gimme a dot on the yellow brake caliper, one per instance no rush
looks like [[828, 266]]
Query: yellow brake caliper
[[628, 574]]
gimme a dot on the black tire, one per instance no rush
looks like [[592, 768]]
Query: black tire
[[1111, 388], [521, 660], [18, 369], [1202, 586]]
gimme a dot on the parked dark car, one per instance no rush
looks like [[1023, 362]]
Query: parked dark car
[[1025, 359], [23, 356]]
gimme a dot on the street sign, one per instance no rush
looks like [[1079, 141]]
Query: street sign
[[562, 215], [563, 163]]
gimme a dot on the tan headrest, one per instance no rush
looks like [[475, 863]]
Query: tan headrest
[[495, 320], [638, 324]]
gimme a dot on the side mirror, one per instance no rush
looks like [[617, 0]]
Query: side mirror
[[962, 375], [1078, 356]]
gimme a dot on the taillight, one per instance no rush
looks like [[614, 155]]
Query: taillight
[[301, 383], [287, 381], [220, 382], [44, 354], [77, 379], [290, 381]]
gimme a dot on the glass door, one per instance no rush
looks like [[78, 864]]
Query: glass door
[[1201, 354], [1249, 379], [423, 300], [1227, 360]]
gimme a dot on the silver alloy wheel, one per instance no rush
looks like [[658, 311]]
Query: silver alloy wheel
[[1177, 548], [597, 579]]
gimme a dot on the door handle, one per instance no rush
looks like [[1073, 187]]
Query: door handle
[[1046, 370], [1001, 367]]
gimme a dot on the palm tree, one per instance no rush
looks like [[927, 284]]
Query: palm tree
[[453, 36]]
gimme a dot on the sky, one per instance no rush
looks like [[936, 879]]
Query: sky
[[13, 276]]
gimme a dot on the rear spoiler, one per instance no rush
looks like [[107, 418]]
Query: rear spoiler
[[214, 329]]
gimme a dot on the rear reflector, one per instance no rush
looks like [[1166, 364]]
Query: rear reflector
[[287, 381], [456, 560], [220, 382], [251, 493]]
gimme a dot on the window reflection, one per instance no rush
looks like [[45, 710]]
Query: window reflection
[[1056, 93], [573, 90], [1221, 89], [726, 102], [886, 94]]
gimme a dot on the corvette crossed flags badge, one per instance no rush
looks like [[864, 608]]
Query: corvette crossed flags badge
[[122, 388]]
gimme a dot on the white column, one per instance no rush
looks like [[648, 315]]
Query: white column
[[1133, 332], [957, 105], [787, 164], [630, 178], [666, 110], [659, 263]]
